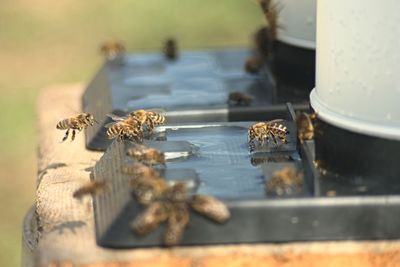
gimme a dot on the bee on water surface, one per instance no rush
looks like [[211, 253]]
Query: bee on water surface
[[139, 169], [240, 99], [264, 131], [91, 188], [145, 155], [75, 123]]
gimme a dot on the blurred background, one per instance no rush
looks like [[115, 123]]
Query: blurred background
[[45, 42]]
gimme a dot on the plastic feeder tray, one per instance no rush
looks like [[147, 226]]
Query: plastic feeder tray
[[214, 159], [192, 89]]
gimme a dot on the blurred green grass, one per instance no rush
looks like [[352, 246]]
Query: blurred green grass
[[45, 42]]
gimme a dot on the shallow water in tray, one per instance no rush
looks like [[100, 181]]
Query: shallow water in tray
[[222, 160]]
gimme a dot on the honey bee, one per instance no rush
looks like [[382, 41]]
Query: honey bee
[[171, 204], [148, 156], [124, 128], [263, 45], [210, 207], [170, 49], [77, 122], [147, 221], [240, 99], [112, 49], [91, 188], [253, 64], [264, 131], [274, 158], [148, 118], [178, 220], [139, 169], [305, 126], [147, 189], [285, 181], [271, 12], [176, 193]]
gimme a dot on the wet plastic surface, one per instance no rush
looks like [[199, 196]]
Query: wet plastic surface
[[193, 89], [216, 160]]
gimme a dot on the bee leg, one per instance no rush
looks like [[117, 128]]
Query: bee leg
[[65, 136], [274, 138], [73, 135]]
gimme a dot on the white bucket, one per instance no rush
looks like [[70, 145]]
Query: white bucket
[[297, 20], [358, 66]]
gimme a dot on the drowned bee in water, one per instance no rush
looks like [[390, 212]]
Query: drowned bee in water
[[145, 155], [170, 49], [305, 126], [91, 188], [265, 131], [76, 123], [112, 49], [240, 99]]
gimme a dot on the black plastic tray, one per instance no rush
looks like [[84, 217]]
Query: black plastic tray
[[194, 88], [215, 159]]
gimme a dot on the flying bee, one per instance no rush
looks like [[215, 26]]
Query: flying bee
[[91, 188], [139, 169], [178, 220], [112, 49], [147, 221], [271, 13], [264, 131], [253, 64], [146, 189], [148, 156], [148, 118], [240, 99], [210, 207], [76, 123], [170, 49], [305, 126], [129, 128], [285, 181], [262, 43]]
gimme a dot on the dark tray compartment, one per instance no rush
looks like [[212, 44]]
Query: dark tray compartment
[[219, 156], [193, 89]]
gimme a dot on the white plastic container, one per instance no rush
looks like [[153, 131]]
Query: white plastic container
[[358, 66], [297, 20]]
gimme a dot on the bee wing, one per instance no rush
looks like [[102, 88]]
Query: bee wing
[[157, 110], [108, 125], [116, 118]]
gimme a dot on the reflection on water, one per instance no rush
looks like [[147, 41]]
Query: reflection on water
[[222, 161]]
